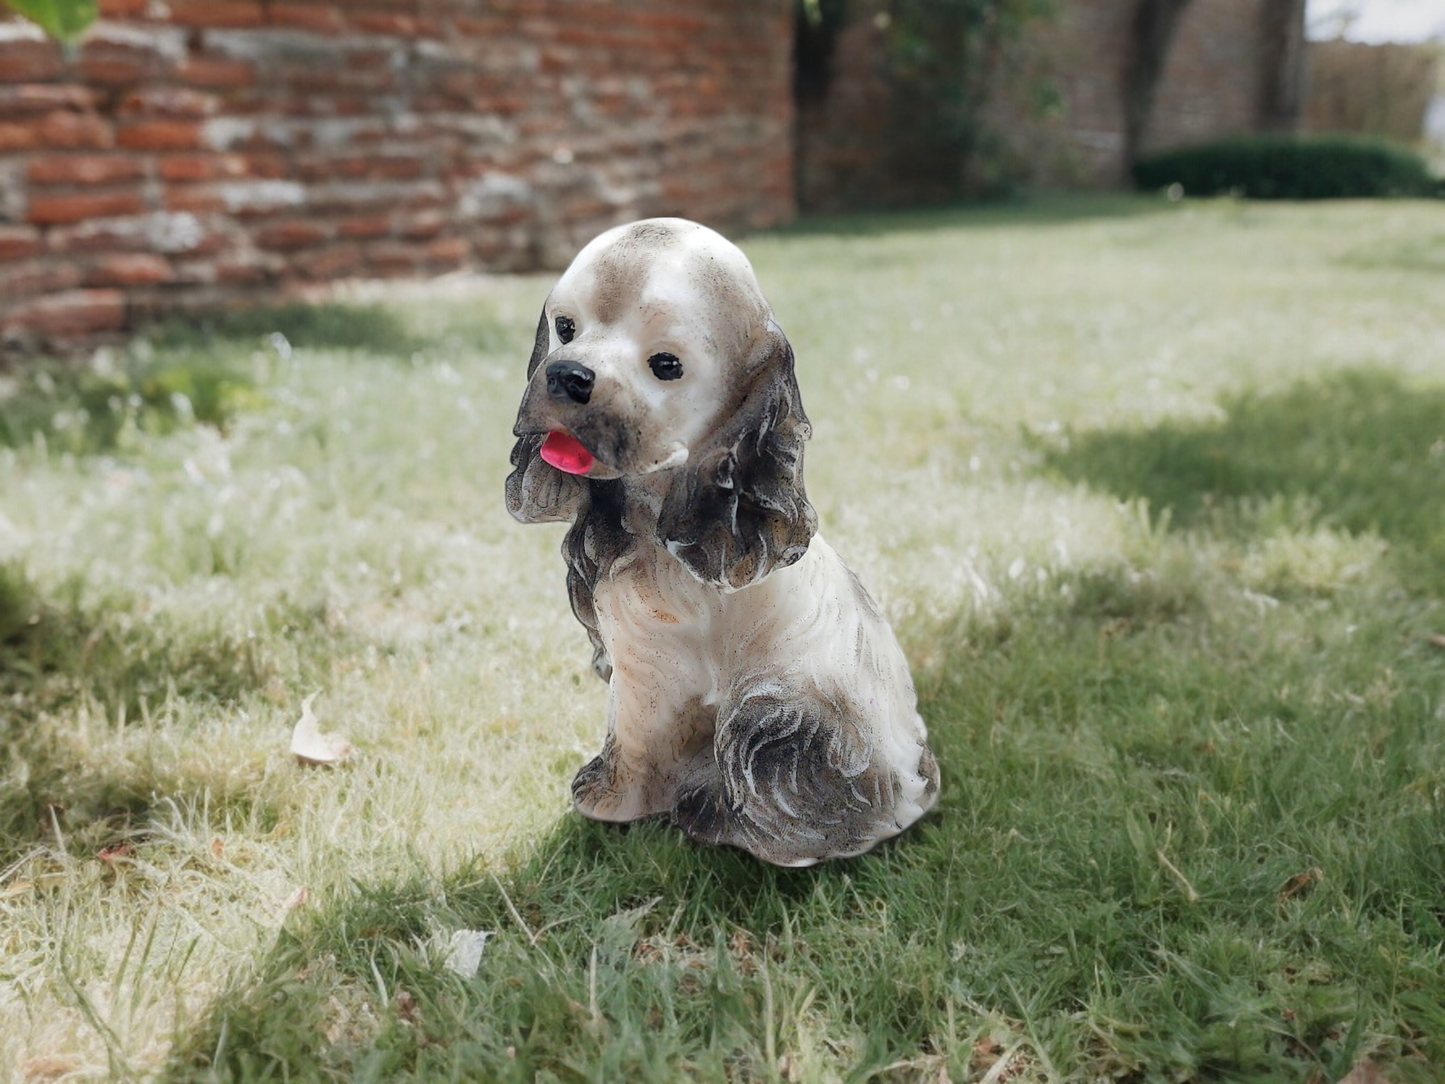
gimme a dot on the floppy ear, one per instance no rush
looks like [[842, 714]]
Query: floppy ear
[[537, 493], [738, 509]]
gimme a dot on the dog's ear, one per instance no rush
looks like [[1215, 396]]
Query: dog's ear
[[537, 493], [738, 509]]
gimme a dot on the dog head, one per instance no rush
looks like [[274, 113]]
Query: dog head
[[658, 363]]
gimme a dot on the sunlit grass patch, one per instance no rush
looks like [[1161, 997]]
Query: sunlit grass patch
[[1188, 715]]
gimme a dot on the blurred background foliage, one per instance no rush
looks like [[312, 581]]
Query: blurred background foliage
[[63, 19]]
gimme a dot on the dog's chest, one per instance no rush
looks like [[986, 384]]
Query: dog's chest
[[652, 595]]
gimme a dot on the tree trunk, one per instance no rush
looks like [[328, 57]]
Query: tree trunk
[[1150, 36], [1281, 88]]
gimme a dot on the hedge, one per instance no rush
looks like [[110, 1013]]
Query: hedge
[[1290, 167]]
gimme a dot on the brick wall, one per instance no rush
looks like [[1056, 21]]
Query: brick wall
[[192, 153], [1211, 85], [1381, 90]]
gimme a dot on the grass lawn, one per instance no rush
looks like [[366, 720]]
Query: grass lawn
[[1155, 495]]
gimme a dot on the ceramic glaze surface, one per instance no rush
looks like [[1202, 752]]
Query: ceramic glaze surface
[[756, 694]]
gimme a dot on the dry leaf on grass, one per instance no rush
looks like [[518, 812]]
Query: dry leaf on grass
[[311, 745], [1367, 1072], [1300, 884], [1436, 638], [463, 951], [49, 1066]]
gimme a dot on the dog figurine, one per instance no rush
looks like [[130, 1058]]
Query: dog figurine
[[756, 694]]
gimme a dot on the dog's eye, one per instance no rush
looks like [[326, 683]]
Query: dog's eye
[[665, 366], [566, 329]]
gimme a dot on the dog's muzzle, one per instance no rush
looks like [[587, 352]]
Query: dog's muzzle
[[570, 382]]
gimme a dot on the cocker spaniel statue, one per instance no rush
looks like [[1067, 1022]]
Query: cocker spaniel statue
[[756, 694]]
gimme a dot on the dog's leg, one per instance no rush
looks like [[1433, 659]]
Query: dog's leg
[[652, 743], [794, 781]]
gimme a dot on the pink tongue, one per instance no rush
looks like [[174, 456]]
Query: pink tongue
[[566, 453]]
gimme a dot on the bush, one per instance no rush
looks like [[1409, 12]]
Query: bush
[[89, 411], [1290, 167]]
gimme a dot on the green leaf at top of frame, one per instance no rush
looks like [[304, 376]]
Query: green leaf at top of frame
[[62, 19]]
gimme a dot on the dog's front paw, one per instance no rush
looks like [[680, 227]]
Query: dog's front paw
[[609, 789]]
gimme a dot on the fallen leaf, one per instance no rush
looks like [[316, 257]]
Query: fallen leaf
[[110, 854], [985, 1053], [406, 1008], [464, 951], [49, 1066], [1436, 638], [1367, 1072], [1299, 884], [311, 745]]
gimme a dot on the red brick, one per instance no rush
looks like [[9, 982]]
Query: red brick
[[379, 22], [121, 63], [219, 73], [73, 130], [365, 226], [267, 166], [84, 169], [200, 167], [195, 198], [218, 14], [394, 258], [301, 16], [129, 269], [37, 277], [71, 314], [170, 102], [161, 135], [29, 61], [334, 261], [27, 99], [247, 266], [18, 242], [421, 226], [142, 233], [291, 234], [362, 167], [448, 251], [16, 137], [49, 210]]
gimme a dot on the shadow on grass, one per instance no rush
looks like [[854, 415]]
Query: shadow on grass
[[82, 689], [1359, 451], [316, 326], [1106, 882], [1050, 211]]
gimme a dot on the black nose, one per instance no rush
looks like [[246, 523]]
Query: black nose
[[568, 380]]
